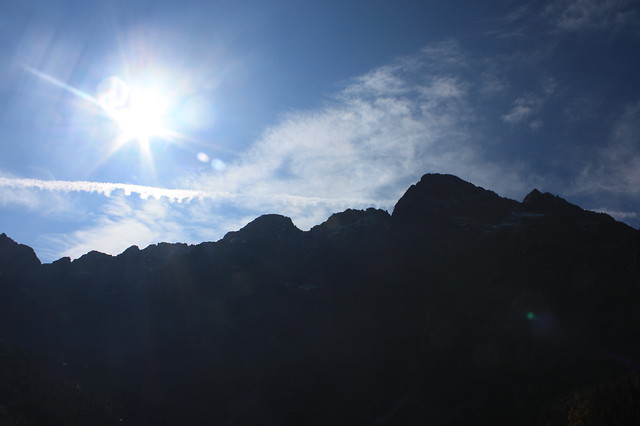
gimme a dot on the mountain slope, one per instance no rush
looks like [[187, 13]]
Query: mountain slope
[[461, 307]]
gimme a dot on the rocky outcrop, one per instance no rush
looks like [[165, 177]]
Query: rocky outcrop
[[437, 200], [16, 258]]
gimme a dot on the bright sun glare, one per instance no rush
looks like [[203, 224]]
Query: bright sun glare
[[140, 113], [144, 117]]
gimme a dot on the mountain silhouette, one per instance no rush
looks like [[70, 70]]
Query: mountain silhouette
[[461, 307]]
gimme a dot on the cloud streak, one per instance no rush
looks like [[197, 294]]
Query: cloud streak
[[172, 195], [581, 15], [107, 189]]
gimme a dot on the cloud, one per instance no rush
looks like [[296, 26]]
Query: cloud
[[125, 221], [581, 15], [368, 143], [618, 215], [521, 13], [363, 148], [104, 188], [111, 237], [523, 108], [583, 107], [25, 198], [529, 104], [615, 168], [47, 203], [380, 82]]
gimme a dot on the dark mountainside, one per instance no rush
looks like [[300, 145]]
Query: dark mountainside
[[460, 308]]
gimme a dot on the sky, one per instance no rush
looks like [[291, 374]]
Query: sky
[[134, 122]]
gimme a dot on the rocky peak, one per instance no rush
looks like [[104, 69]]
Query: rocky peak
[[163, 252], [559, 208], [16, 257], [66, 260], [131, 251], [353, 218], [539, 202], [352, 230], [92, 261], [446, 197], [264, 228]]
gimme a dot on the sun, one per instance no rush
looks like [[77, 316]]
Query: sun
[[144, 117], [140, 113], [148, 108]]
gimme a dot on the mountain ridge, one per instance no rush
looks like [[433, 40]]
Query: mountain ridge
[[437, 188], [458, 307]]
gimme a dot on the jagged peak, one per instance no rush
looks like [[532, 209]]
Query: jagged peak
[[547, 202], [162, 251], [446, 185], [442, 177], [533, 195], [263, 227], [271, 221], [130, 251], [434, 187], [15, 256], [5, 238], [92, 257], [351, 216], [444, 196]]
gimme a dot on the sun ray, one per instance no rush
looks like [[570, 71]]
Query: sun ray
[[140, 111], [60, 84]]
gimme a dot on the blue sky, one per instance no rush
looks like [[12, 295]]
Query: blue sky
[[303, 108]]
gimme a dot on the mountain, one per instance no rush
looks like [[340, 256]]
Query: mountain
[[16, 257], [461, 307]]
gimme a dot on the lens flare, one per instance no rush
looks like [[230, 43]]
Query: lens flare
[[202, 157], [218, 165]]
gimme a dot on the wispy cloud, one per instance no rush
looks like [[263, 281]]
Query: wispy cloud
[[125, 221], [616, 166], [118, 226], [29, 199], [545, 18], [529, 104], [523, 108], [619, 215], [369, 143], [105, 188], [581, 15], [520, 13]]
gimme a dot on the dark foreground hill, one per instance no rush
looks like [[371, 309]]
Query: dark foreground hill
[[460, 308]]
